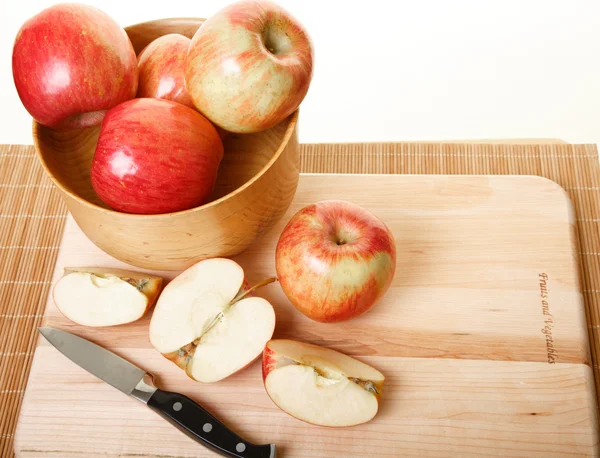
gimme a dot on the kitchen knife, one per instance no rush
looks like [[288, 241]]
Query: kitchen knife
[[179, 410]]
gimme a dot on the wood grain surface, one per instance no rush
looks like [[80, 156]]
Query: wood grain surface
[[460, 337]]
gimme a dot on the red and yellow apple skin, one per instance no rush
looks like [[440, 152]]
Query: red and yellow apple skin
[[272, 360], [334, 260], [72, 63], [249, 66], [155, 156], [269, 362], [162, 69]]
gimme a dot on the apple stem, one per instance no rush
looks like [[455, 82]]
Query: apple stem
[[243, 294]]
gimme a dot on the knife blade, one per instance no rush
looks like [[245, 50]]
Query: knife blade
[[179, 410]]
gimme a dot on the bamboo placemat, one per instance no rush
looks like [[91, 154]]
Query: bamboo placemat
[[32, 219]]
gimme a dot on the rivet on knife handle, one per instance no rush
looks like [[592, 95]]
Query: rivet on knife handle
[[200, 425]]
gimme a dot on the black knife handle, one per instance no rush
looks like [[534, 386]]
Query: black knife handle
[[201, 426]]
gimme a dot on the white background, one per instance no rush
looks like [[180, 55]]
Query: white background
[[408, 70]]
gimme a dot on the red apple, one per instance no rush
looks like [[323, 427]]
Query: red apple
[[155, 156], [71, 63], [249, 66], [161, 65], [334, 260]]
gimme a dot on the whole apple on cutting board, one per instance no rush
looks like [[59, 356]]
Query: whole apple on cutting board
[[72, 63], [335, 260], [249, 66]]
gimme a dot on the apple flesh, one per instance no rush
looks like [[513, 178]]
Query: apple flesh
[[155, 156], [249, 66], [206, 323], [334, 260], [319, 385], [94, 296], [71, 63], [161, 69]]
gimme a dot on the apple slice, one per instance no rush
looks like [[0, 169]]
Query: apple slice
[[319, 385], [205, 323], [97, 296]]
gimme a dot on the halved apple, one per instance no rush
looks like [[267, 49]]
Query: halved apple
[[97, 296], [205, 322], [319, 385]]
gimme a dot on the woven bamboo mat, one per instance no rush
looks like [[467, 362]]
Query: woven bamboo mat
[[32, 218]]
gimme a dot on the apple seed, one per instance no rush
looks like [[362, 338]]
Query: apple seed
[[366, 384], [139, 284]]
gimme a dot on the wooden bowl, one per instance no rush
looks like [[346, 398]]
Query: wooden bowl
[[257, 181]]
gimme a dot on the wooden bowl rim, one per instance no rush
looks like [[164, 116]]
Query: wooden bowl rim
[[165, 20], [292, 120]]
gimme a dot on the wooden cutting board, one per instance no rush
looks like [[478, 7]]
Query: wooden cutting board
[[482, 338]]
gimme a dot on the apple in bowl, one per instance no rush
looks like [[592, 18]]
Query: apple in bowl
[[72, 63], [319, 385], [162, 69], [335, 260], [249, 66], [155, 156]]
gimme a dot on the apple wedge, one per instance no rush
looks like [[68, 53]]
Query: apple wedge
[[319, 385], [96, 296], [206, 323]]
